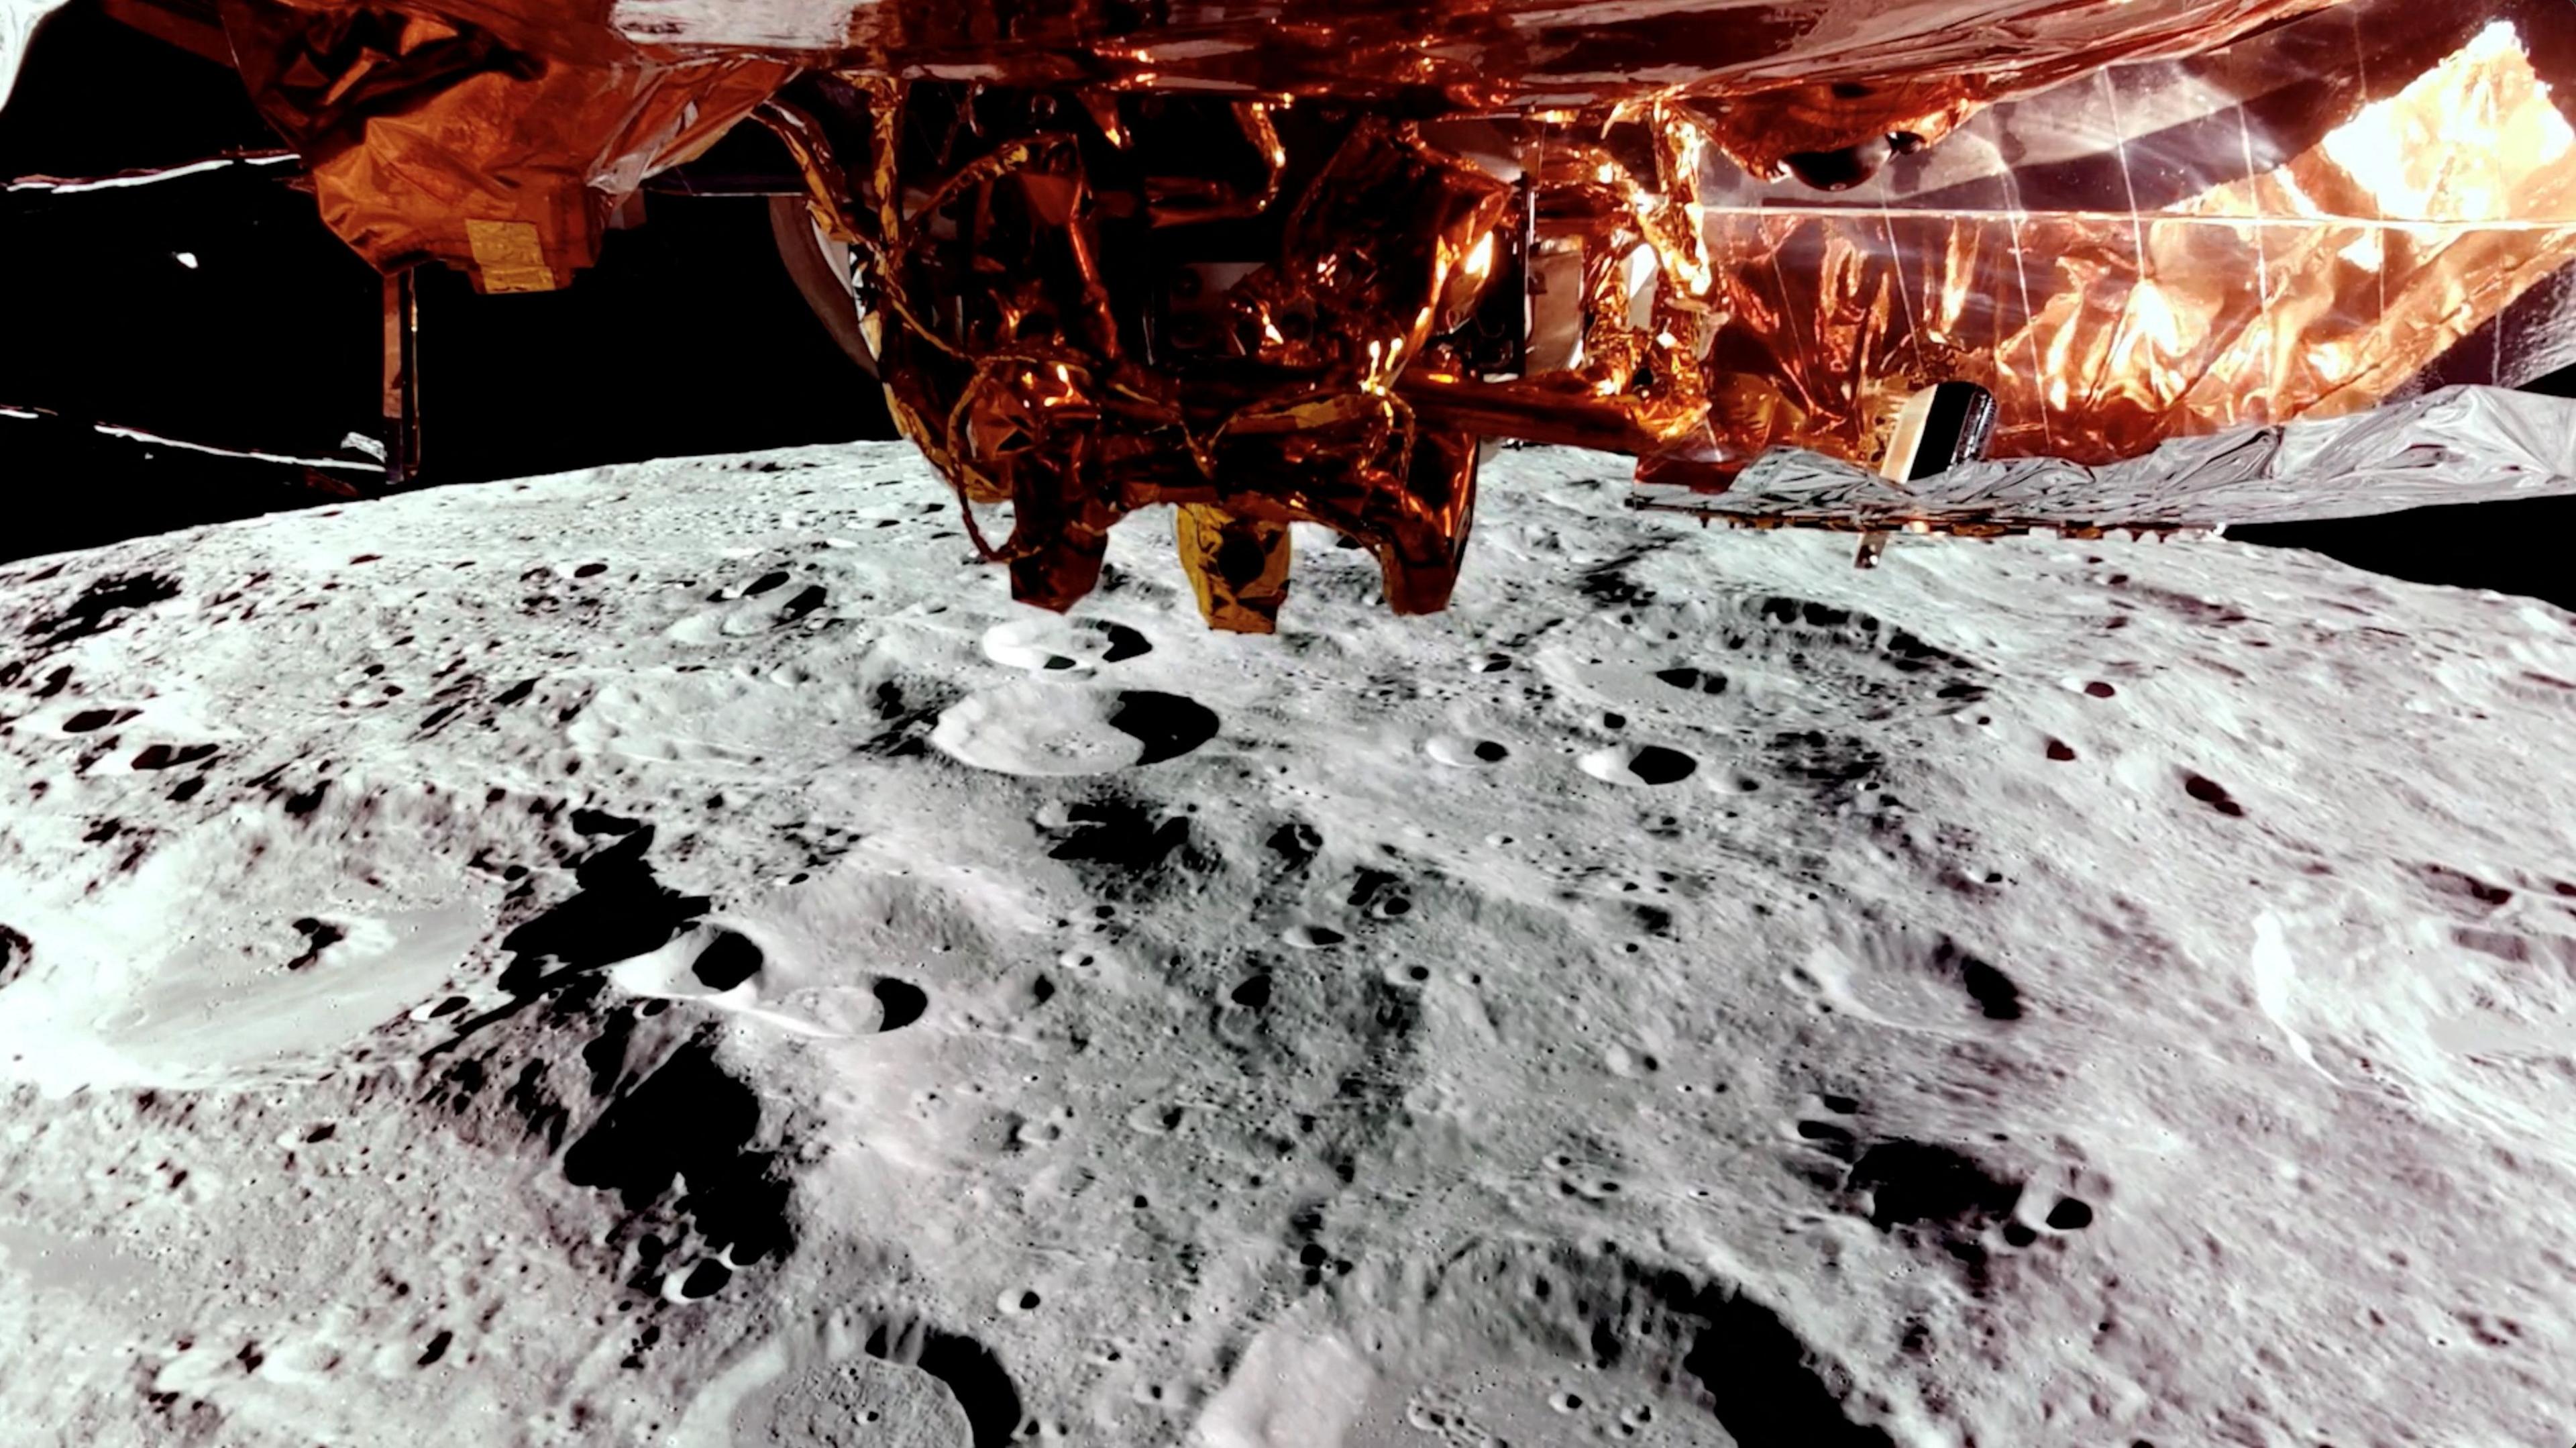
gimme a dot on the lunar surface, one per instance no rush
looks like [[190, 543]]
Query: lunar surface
[[670, 955]]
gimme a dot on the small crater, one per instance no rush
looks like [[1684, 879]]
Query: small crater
[[1039, 728], [728, 961], [899, 1002], [2211, 793], [1311, 937], [319, 936], [706, 1278], [807, 600], [90, 721], [1458, 753], [162, 756], [1693, 681], [1053, 644], [2466, 886], [776, 578], [16, 951], [1296, 843], [1993, 991], [2070, 1215], [1390, 906], [1830, 1138], [2060, 750], [1648, 764]]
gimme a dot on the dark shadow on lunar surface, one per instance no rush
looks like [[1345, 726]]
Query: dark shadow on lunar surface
[[319, 936], [690, 1122], [16, 951], [155, 757], [968, 1367], [728, 961], [969, 1370], [93, 612], [1168, 725], [686, 1122], [605, 1053], [1122, 833], [1766, 1389], [1124, 643], [901, 1003], [1753, 1372], [1997, 998], [2211, 793], [1657, 765], [1918, 1182], [619, 912], [1129, 849], [810, 598]]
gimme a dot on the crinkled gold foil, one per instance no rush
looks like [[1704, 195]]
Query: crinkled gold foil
[[2314, 287], [1690, 230], [424, 132], [1772, 77]]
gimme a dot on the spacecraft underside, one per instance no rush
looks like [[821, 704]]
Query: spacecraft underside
[[1306, 262]]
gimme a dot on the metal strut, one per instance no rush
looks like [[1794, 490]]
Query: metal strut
[[402, 379]]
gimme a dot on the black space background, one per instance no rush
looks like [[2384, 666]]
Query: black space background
[[687, 338]]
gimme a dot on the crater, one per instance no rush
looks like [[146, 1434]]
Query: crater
[[1054, 644], [1038, 728], [1647, 764]]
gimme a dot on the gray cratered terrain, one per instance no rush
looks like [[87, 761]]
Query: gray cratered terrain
[[668, 955]]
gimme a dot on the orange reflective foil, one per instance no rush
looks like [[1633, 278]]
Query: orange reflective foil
[[1297, 260], [1774, 77], [2166, 250], [537, 117], [434, 138]]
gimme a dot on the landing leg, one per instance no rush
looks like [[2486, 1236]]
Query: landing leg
[[1238, 567]]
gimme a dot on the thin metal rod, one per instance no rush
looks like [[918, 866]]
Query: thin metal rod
[[148, 176], [402, 379], [153, 439]]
